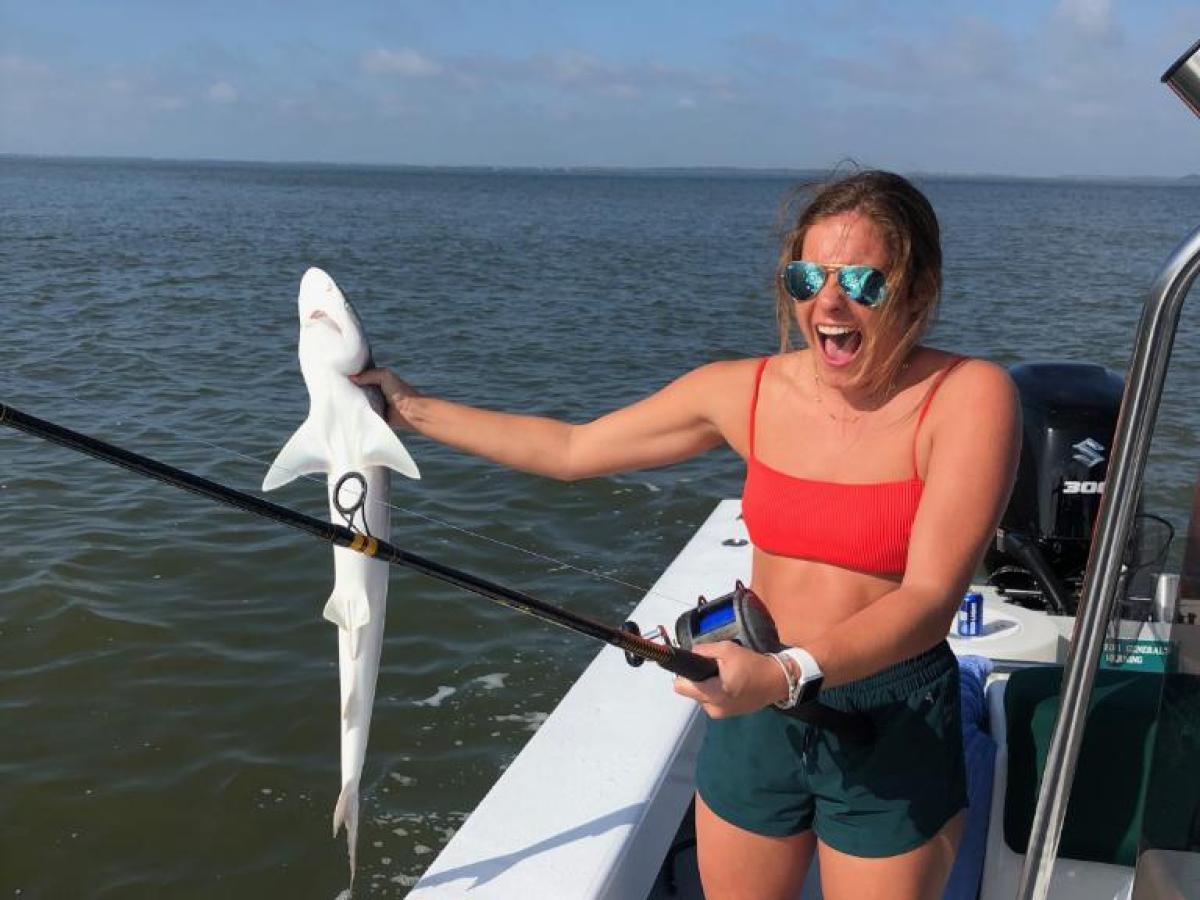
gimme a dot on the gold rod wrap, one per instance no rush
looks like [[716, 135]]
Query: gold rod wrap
[[364, 544]]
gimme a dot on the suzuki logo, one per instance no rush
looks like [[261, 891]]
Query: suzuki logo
[[1089, 452]]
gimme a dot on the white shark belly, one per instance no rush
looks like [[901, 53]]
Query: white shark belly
[[360, 583]]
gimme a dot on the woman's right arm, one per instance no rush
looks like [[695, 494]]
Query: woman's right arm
[[683, 419]]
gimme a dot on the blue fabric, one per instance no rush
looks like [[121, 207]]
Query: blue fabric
[[980, 752]]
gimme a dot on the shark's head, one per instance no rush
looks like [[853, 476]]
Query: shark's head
[[331, 335]]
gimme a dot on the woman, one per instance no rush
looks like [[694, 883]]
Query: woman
[[877, 470]]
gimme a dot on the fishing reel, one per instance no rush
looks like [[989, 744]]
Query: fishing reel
[[742, 617], [738, 616]]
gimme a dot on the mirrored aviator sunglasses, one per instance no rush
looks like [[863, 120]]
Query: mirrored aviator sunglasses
[[862, 284]]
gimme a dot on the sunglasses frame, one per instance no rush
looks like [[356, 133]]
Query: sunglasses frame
[[837, 271]]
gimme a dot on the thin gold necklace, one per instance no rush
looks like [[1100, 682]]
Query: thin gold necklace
[[850, 420]]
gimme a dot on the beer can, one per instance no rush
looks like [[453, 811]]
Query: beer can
[[970, 615]]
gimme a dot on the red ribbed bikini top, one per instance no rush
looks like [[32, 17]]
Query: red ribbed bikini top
[[855, 526]]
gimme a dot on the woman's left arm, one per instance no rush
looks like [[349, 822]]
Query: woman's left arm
[[975, 441]]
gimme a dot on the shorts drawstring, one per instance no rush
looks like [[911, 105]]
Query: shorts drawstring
[[809, 742]]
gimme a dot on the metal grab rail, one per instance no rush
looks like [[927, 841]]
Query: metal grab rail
[[1131, 445]]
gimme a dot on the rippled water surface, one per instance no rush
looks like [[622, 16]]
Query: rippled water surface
[[167, 684]]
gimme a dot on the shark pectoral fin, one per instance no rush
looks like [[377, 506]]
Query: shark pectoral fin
[[381, 447], [303, 454], [346, 813]]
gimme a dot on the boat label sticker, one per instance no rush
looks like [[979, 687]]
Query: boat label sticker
[[1139, 655]]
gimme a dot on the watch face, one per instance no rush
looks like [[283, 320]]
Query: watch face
[[809, 689]]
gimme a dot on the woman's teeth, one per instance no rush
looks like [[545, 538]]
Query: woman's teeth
[[839, 342], [839, 334]]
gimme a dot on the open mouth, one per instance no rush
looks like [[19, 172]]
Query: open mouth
[[839, 343], [319, 316]]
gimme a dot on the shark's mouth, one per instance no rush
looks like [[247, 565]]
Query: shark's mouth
[[319, 316]]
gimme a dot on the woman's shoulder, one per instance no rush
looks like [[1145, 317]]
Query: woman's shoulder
[[726, 389], [965, 372], [737, 376], [729, 371], [967, 386]]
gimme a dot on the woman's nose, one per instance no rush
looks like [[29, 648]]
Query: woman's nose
[[830, 296]]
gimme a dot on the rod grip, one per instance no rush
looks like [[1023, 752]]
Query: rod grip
[[690, 665]]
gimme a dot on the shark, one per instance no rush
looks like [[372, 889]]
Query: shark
[[346, 437]]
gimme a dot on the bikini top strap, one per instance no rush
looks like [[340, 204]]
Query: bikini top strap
[[937, 383], [754, 399]]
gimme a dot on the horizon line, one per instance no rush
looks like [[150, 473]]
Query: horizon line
[[760, 171]]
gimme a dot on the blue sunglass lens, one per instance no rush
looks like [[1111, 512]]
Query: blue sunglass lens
[[803, 279], [863, 284]]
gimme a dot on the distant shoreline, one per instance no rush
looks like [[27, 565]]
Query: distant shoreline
[[798, 174]]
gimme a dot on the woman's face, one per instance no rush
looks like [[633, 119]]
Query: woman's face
[[834, 325]]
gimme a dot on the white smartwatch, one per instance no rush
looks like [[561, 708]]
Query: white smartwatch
[[804, 676]]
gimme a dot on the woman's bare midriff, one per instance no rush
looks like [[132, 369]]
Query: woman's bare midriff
[[807, 598]]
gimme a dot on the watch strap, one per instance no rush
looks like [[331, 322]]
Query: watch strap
[[803, 687]]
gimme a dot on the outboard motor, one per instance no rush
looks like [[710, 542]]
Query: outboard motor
[[1041, 549]]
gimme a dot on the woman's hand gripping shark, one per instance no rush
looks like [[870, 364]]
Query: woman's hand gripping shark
[[346, 437]]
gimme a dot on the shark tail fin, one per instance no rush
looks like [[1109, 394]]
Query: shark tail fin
[[303, 454], [346, 813], [381, 447]]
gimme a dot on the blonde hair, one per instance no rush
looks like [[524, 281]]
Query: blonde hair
[[910, 230]]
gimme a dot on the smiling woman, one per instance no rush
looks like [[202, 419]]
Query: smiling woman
[[866, 534]]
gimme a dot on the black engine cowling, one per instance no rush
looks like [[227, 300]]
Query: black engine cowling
[[1070, 415]]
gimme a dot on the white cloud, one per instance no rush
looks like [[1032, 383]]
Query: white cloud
[[222, 92], [620, 90], [572, 67], [405, 62], [168, 104], [14, 64], [1089, 19], [567, 72]]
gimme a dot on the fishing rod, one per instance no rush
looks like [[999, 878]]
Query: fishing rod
[[629, 639], [754, 625]]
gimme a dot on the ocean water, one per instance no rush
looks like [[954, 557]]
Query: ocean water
[[168, 688]]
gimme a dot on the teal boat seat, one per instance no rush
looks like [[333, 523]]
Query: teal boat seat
[[1108, 796]]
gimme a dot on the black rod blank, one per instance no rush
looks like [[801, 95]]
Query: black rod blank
[[681, 662]]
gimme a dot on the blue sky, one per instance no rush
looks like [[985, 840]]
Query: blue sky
[[1061, 87]]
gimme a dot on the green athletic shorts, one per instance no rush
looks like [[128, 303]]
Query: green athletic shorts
[[776, 775]]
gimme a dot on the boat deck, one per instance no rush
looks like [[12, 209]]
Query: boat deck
[[588, 809], [593, 804]]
